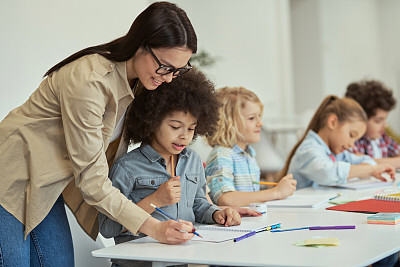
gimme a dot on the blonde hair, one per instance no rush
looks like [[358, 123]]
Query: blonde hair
[[346, 109], [233, 99]]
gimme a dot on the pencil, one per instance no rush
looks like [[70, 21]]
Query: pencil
[[266, 183], [172, 166], [172, 218]]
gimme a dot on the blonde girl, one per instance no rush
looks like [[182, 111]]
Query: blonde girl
[[231, 167], [321, 156]]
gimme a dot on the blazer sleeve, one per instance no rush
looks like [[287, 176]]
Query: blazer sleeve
[[122, 181], [83, 100]]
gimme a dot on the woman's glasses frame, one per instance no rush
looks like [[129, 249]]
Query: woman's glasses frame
[[164, 69]]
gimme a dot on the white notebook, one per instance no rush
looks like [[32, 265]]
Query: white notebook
[[217, 233], [300, 201], [362, 183]]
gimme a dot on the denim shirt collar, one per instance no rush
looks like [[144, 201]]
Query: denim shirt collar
[[153, 155], [315, 137], [249, 150]]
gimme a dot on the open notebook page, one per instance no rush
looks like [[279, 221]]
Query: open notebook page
[[219, 233]]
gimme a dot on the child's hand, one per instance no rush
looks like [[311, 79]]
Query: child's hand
[[169, 192], [285, 187], [381, 168], [245, 211], [227, 217]]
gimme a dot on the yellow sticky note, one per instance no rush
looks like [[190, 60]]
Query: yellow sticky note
[[317, 242], [322, 241]]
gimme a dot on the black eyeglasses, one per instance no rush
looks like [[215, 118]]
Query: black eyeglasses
[[164, 69]]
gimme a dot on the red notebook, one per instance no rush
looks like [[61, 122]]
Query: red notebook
[[369, 206]]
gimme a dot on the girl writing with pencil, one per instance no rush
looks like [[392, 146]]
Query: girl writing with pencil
[[321, 156], [232, 172], [166, 121]]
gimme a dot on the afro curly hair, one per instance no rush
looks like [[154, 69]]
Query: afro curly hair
[[371, 95], [192, 93]]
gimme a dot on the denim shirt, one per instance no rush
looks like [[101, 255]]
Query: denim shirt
[[312, 165], [139, 173]]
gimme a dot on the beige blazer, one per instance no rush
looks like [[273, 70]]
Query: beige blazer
[[58, 140]]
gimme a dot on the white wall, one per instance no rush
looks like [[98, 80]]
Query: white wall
[[35, 35], [340, 41], [251, 41], [389, 25]]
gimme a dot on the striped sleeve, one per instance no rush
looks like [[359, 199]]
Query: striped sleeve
[[219, 173]]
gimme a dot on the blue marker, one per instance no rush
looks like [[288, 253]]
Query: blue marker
[[262, 229], [286, 230]]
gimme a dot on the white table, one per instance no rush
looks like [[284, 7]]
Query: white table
[[360, 247]]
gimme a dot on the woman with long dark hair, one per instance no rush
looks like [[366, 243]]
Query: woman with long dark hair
[[58, 145]]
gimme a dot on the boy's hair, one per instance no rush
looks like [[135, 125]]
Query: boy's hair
[[233, 99], [346, 109], [371, 95], [192, 93]]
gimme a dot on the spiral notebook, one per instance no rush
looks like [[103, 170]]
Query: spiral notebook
[[218, 233], [388, 197]]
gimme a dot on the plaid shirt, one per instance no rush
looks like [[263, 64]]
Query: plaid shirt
[[388, 146]]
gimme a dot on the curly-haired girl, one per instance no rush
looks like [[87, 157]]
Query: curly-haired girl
[[166, 121]]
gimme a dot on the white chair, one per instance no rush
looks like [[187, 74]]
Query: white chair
[[84, 245]]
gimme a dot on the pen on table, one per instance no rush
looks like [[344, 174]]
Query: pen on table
[[291, 229], [172, 218], [267, 228], [262, 229], [337, 227], [265, 183], [332, 198]]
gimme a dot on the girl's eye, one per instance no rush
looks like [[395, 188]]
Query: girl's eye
[[191, 129], [251, 118], [174, 127]]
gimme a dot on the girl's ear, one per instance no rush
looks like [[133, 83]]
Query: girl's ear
[[332, 121]]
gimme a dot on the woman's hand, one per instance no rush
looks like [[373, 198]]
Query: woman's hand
[[383, 168], [168, 193], [285, 187], [169, 232], [227, 217]]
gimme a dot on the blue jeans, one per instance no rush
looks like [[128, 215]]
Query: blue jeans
[[49, 244]]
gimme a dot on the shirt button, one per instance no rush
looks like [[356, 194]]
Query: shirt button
[[152, 182], [162, 160], [195, 178], [220, 179]]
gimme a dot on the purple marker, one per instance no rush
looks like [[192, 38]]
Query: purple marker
[[338, 227], [244, 236]]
